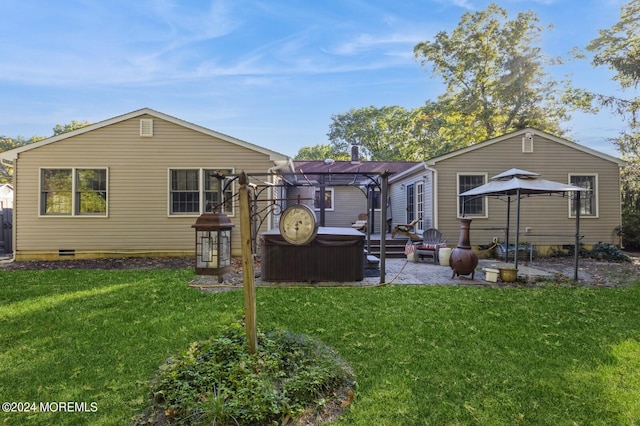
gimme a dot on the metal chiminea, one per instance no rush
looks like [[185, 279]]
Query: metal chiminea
[[213, 244], [463, 259]]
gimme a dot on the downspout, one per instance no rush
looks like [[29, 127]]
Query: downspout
[[14, 220], [278, 165], [281, 164], [620, 239]]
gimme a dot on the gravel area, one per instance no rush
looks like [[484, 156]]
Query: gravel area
[[592, 272]]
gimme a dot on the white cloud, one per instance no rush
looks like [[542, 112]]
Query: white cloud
[[188, 24], [465, 4], [368, 42], [118, 43]]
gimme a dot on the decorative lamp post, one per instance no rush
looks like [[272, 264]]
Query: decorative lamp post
[[213, 244]]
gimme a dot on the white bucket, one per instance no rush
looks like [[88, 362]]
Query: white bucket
[[444, 254]]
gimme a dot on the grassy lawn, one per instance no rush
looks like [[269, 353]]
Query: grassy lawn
[[422, 355]]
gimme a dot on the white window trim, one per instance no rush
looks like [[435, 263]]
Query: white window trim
[[200, 190], [420, 202], [485, 204], [333, 200], [595, 196], [74, 200]]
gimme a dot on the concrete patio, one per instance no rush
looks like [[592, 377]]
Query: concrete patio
[[399, 271]]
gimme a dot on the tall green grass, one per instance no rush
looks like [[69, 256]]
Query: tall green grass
[[422, 355]]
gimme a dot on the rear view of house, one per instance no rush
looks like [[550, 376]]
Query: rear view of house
[[546, 221], [130, 185], [431, 191]]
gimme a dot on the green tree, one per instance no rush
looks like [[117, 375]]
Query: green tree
[[618, 48], [494, 74], [10, 143], [7, 143], [321, 152], [383, 134], [432, 126], [65, 128]]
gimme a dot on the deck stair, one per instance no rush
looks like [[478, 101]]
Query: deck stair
[[394, 247]]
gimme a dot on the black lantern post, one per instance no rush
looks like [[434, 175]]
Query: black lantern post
[[213, 244]]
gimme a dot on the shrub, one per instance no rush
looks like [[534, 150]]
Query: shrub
[[219, 382], [600, 251], [630, 229], [608, 252]]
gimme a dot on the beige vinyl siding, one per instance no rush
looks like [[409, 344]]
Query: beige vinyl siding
[[544, 214], [138, 187], [399, 197], [398, 203], [349, 202], [429, 219]]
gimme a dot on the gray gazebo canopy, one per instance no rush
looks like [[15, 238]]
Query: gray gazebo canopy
[[519, 183]]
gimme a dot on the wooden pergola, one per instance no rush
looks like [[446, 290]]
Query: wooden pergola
[[258, 183]]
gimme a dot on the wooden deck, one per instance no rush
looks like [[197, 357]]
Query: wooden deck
[[394, 247]]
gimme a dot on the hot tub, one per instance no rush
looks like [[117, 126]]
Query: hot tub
[[336, 254]]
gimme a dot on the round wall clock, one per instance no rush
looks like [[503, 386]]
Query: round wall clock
[[298, 225]]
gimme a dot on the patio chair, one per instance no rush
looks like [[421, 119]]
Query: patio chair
[[430, 245], [406, 229], [361, 223]]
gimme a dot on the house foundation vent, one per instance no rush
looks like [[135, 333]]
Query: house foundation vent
[[66, 253], [146, 127]]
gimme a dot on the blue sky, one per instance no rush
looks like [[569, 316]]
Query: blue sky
[[268, 72]]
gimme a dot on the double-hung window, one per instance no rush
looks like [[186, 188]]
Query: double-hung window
[[73, 192], [184, 191], [471, 206], [197, 191], [328, 199], [588, 199]]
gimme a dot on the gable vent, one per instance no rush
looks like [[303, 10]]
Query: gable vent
[[146, 127], [527, 142]]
